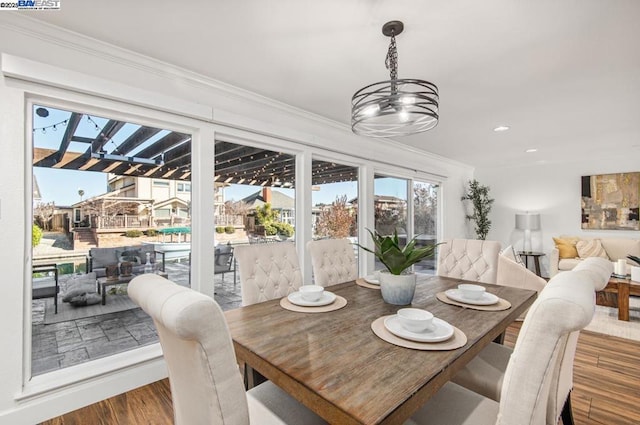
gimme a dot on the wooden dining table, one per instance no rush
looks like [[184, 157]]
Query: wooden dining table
[[333, 363]]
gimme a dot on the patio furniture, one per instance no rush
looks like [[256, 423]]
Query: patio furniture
[[469, 259], [268, 271], [485, 373], [99, 258], [531, 374], [224, 261], [104, 282], [206, 387], [340, 369], [333, 261], [44, 288]]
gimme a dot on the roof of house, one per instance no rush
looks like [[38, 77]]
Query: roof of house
[[279, 201]]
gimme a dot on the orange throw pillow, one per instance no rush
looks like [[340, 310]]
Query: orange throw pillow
[[567, 247]]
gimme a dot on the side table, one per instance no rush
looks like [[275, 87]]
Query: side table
[[536, 259]]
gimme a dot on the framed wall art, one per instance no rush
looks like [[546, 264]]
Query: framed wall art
[[611, 201]]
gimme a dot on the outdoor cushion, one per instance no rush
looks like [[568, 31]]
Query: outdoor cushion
[[222, 255], [103, 257], [77, 290]]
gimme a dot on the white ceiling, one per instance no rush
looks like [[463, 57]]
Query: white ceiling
[[563, 74]]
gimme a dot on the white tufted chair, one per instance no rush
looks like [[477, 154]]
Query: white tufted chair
[[268, 271], [469, 259], [333, 261], [485, 373], [560, 309], [206, 387]]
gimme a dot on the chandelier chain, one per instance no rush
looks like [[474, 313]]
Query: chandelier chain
[[391, 61]]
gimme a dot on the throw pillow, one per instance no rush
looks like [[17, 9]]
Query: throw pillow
[[591, 248], [78, 290], [566, 247]]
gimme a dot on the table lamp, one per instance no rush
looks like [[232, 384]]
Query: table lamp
[[527, 222]]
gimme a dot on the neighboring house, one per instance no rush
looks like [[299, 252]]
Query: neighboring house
[[284, 204], [136, 202]]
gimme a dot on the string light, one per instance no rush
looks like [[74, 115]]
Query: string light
[[54, 127]]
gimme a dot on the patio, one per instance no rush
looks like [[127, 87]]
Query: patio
[[68, 343]]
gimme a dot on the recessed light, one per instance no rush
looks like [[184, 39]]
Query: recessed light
[[501, 128], [531, 150]]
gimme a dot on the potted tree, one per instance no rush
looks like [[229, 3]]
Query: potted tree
[[397, 282]]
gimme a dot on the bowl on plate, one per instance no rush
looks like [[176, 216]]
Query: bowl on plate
[[311, 292], [471, 291], [415, 319]]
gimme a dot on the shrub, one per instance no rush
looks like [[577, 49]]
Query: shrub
[[219, 229], [284, 229], [152, 232], [230, 230], [133, 233], [270, 230], [36, 235]]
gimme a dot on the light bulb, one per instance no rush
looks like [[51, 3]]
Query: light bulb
[[403, 115], [371, 110]]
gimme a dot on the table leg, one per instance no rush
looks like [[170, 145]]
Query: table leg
[[623, 300], [104, 295], [536, 260]]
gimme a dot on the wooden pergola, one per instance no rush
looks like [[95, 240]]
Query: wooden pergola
[[169, 157]]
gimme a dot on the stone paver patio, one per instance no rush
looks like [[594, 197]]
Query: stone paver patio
[[64, 344]]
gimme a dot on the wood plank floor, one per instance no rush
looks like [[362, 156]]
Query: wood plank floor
[[606, 389]]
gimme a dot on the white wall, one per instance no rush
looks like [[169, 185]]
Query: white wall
[[551, 189], [91, 68]]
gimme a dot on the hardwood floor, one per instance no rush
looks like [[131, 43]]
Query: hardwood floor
[[606, 389]]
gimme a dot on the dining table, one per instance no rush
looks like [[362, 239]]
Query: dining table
[[336, 365]]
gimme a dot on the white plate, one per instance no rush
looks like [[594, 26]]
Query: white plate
[[326, 299], [372, 279], [441, 331], [486, 299]]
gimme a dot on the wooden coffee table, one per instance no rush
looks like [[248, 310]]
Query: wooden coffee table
[[103, 283], [616, 294]]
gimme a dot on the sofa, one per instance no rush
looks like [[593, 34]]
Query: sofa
[[99, 258], [569, 251]]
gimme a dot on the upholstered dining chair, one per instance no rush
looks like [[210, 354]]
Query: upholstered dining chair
[[513, 274], [560, 309], [267, 271], [206, 386], [485, 373], [333, 261], [469, 259]]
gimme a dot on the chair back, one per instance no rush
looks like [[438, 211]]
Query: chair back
[[206, 386], [595, 271], [223, 258], [333, 261], [268, 271], [561, 308], [469, 259]]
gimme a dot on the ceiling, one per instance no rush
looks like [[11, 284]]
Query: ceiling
[[563, 75]]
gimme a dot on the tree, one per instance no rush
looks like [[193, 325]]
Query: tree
[[237, 208], [425, 209], [481, 203], [44, 213], [336, 220]]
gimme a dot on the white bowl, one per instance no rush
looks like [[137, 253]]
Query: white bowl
[[415, 319], [470, 291], [311, 292]]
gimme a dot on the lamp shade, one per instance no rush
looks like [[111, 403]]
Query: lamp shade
[[528, 221]]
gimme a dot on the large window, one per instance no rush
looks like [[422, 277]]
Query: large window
[[254, 202], [334, 201], [104, 189], [391, 213]]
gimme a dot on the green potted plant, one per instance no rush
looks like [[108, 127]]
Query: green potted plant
[[397, 282]]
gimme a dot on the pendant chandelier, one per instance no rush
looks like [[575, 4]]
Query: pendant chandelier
[[397, 107]]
